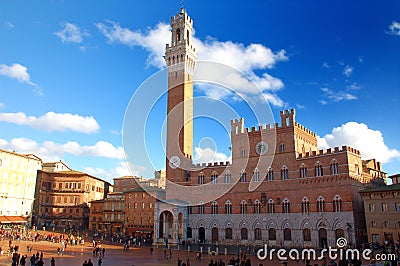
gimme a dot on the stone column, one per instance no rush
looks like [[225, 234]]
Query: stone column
[[165, 226], [175, 229]]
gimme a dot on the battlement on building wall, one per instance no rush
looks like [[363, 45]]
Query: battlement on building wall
[[287, 120], [214, 164], [328, 151], [303, 128]]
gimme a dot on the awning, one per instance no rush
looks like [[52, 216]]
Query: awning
[[4, 220], [12, 220]]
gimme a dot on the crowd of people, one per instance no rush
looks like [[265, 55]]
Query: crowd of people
[[14, 234]]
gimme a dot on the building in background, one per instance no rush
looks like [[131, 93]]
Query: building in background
[[139, 208], [382, 212], [55, 167], [129, 211], [63, 197], [125, 183], [113, 217], [96, 217], [395, 179], [17, 185]]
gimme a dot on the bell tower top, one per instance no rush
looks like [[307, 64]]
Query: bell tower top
[[181, 39]]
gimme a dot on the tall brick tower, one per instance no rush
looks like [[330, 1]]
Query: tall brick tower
[[180, 58]]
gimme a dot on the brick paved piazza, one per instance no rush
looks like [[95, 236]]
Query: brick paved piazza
[[114, 255]]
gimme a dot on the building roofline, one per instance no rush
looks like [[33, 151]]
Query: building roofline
[[389, 188], [141, 189], [28, 155], [75, 173]]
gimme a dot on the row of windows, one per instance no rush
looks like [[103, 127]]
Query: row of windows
[[69, 185], [243, 151], [384, 207], [143, 205], [337, 206], [46, 211], [287, 234], [112, 216], [284, 174], [60, 199], [385, 224], [136, 195]]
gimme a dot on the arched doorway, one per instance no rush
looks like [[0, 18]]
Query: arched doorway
[[323, 238], [166, 222], [202, 234], [214, 233]]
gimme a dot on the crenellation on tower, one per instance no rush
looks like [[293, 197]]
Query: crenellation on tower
[[237, 126]]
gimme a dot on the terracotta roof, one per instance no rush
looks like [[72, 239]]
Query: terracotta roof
[[395, 187]]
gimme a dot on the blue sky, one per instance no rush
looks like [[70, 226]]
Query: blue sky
[[69, 68]]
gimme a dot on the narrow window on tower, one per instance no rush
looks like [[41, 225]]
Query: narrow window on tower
[[282, 147], [242, 176], [178, 35], [187, 36]]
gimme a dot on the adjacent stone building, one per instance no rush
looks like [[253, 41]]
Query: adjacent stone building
[[382, 212], [63, 196], [17, 185], [129, 213], [139, 207]]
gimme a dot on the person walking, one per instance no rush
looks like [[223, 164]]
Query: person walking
[[53, 262], [99, 262]]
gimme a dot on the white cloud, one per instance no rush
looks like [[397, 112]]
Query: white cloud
[[354, 86], [337, 96], [153, 40], [247, 59], [51, 151], [207, 155], [20, 73], [348, 70], [16, 71], [53, 121], [8, 25], [326, 65], [71, 33], [394, 28], [357, 135]]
